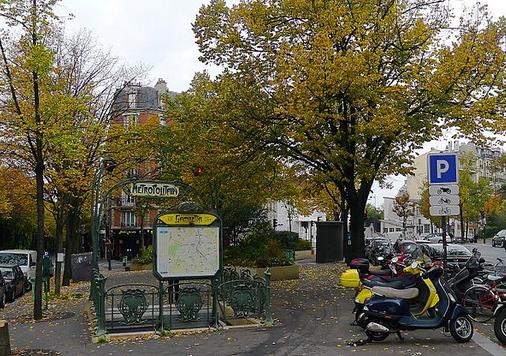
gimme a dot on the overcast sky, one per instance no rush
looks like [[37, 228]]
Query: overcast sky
[[158, 34]]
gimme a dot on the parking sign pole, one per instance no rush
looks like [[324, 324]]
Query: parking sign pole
[[445, 247]]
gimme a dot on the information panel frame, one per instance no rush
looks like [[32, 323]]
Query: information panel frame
[[172, 245]]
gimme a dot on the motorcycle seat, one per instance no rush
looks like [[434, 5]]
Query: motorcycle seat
[[397, 284], [380, 272], [408, 293]]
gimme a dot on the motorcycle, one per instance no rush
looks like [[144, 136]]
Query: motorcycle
[[409, 278], [463, 279], [389, 311]]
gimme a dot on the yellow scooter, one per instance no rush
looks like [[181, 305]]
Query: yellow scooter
[[424, 301]]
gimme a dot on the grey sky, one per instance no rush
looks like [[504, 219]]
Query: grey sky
[[158, 34]]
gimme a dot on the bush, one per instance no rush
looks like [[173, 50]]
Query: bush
[[146, 256], [302, 245], [264, 247]]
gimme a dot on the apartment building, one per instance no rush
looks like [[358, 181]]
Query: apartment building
[[126, 217]]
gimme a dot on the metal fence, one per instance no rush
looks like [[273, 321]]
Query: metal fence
[[179, 305]]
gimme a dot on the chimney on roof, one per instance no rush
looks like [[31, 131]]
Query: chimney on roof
[[161, 86], [456, 145]]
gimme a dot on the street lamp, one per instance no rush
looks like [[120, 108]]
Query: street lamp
[[106, 164]]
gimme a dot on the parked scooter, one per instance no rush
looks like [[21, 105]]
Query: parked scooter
[[410, 278], [389, 311], [463, 280]]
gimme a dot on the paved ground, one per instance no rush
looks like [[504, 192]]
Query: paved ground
[[313, 318]]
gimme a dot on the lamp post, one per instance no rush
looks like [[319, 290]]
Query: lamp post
[[108, 165]]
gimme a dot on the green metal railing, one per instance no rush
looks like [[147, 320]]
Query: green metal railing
[[182, 304], [97, 291]]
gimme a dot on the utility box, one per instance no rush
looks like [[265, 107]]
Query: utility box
[[329, 241], [81, 266]]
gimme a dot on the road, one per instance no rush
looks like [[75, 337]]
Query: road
[[489, 253]]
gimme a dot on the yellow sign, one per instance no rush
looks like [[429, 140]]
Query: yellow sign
[[188, 219]]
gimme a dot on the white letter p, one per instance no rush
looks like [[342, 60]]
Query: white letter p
[[442, 166]]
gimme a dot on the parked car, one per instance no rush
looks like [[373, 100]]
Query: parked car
[[25, 259], [457, 254], [499, 239], [15, 281], [3, 295]]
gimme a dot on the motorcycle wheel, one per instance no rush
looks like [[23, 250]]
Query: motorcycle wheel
[[500, 326], [461, 328], [376, 336]]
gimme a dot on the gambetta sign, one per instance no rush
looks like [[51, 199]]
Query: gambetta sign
[[153, 190]]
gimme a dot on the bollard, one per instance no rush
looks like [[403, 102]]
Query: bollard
[[5, 342]]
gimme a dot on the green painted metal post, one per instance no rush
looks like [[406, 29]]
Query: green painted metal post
[[214, 287], [268, 305], [100, 304], [160, 307]]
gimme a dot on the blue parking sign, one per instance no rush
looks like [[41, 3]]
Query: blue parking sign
[[443, 168]]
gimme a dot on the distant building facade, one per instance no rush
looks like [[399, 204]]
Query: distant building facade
[[284, 217], [135, 105]]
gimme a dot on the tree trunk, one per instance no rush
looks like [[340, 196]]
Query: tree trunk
[[60, 224], [461, 222], [39, 178], [71, 245], [357, 227], [344, 218]]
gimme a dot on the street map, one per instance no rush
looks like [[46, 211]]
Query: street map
[[188, 251]]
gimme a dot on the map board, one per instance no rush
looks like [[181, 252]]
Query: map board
[[185, 249]]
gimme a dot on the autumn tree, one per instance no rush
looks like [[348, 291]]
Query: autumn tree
[[351, 88], [208, 155], [19, 222], [84, 82], [26, 64], [473, 193], [404, 208]]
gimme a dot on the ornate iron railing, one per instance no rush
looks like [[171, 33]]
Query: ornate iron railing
[[131, 307], [246, 294], [176, 305], [188, 305]]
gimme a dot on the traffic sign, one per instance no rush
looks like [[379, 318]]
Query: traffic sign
[[442, 168], [447, 210], [443, 190], [444, 200]]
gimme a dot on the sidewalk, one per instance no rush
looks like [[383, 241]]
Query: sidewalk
[[313, 317]]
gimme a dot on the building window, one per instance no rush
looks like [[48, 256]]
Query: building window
[[385, 230], [130, 120], [392, 229], [132, 173], [131, 100], [426, 228], [163, 120], [398, 229], [126, 199], [127, 218]]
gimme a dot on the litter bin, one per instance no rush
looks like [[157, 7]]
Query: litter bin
[[81, 266], [329, 241]]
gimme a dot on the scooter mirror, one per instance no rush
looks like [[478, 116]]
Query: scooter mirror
[[380, 258], [414, 265], [395, 259]]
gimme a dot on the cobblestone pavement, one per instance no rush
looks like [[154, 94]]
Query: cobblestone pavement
[[313, 317]]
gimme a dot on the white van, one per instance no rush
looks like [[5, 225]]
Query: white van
[[26, 259]]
